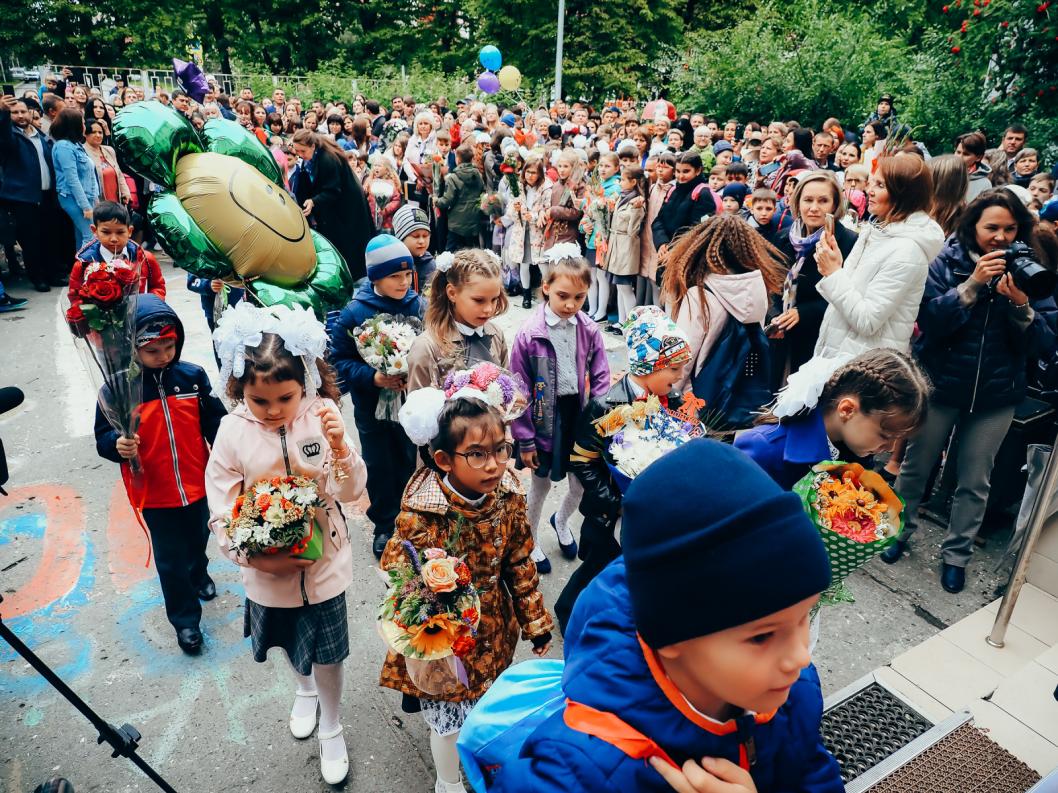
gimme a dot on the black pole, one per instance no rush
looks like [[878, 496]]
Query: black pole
[[124, 740]]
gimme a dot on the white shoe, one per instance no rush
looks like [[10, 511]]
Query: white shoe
[[333, 771], [302, 727], [449, 787]]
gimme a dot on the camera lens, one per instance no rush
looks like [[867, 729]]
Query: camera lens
[[1029, 275]]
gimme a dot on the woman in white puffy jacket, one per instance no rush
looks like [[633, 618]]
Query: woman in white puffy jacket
[[874, 294]]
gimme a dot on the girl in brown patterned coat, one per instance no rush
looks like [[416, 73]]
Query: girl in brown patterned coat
[[469, 504]]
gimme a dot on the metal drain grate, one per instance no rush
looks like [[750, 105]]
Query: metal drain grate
[[964, 761], [868, 727]]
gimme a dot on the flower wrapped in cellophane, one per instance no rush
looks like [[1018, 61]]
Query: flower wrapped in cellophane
[[857, 514], [384, 342], [101, 314], [430, 615], [643, 432], [277, 514]]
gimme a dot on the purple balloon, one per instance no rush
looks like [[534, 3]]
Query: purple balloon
[[489, 82], [191, 79]]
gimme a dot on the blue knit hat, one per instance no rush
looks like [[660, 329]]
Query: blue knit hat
[[735, 190], [711, 541], [386, 255], [509, 119]]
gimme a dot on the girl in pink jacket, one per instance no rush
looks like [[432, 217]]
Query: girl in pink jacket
[[287, 421]]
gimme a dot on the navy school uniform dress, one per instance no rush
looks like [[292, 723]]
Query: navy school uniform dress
[[387, 452], [179, 416]]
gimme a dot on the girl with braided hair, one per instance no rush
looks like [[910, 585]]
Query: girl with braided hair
[[719, 269], [845, 409]]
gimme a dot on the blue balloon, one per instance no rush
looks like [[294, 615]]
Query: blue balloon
[[490, 58]]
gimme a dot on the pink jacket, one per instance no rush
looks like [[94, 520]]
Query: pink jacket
[[246, 451]]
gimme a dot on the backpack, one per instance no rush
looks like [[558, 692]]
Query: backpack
[[521, 699], [734, 379]]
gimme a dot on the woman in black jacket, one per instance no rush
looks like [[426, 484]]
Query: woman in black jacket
[[980, 332], [796, 328], [687, 204], [333, 199]]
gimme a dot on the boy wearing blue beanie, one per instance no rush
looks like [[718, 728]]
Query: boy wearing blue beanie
[[688, 657], [387, 452]]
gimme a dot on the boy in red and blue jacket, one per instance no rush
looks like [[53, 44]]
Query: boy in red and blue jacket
[[662, 681], [179, 418]]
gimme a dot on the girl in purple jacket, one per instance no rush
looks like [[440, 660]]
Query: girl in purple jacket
[[560, 353]]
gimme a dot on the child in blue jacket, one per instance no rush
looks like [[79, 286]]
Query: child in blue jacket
[[387, 452], [659, 678]]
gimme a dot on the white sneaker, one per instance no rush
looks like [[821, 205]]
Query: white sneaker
[[334, 771], [449, 787], [302, 727]]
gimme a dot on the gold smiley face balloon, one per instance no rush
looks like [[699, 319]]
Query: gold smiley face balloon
[[224, 212], [254, 221]]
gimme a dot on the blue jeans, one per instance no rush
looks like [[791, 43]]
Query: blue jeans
[[82, 230]]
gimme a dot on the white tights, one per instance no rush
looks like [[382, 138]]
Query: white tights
[[326, 682], [445, 756], [539, 487], [598, 294], [626, 301], [527, 277]]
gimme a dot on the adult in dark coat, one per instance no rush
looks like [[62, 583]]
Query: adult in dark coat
[[332, 198], [802, 307], [980, 334]]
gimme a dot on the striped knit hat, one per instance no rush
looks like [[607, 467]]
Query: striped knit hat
[[385, 256], [408, 219]]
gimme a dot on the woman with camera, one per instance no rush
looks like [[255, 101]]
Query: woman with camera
[[986, 313]]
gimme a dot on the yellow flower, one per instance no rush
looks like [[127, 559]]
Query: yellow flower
[[436, 634]]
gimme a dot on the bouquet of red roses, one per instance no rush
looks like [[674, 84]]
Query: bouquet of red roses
[[102, 315]]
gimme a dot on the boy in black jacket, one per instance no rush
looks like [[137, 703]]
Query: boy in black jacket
[[657, 355], [387, 452]]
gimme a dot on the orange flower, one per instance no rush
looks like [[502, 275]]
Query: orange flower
[[263, 502], [439, 575], [463, 646], [238, 506], [435, 635]]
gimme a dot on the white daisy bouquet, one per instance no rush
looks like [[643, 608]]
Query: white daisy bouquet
[[384, 342], [276, 514]]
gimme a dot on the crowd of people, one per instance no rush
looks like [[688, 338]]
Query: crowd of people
[[834, 292]]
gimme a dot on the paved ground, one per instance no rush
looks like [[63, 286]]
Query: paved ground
[[72, 570]]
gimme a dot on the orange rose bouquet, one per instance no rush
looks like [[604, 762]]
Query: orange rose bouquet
[[430, 615]]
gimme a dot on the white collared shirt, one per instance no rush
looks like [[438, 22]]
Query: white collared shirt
[[35, 138], [466, 330], [637, 390], [552, 319], [474, 502]]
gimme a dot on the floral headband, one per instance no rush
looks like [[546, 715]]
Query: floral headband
[[503, 390], [245, 324]]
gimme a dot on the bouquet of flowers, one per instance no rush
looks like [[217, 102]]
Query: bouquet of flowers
[[430, 615], [509, 169], [384, 342], [492, 205], [642, 432], [857, 514], [101, 313], [276, 514], [599, 213], [503, 390]]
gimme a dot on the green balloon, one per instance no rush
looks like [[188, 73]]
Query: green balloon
[[231, 138], [272, 295], [183, 239], [151, 137], [332, 282]]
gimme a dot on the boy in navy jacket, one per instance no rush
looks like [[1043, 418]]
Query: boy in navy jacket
[[178, 421], [658, 677], [389, 455]]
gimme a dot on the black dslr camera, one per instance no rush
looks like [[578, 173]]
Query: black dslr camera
[[1029, 275]]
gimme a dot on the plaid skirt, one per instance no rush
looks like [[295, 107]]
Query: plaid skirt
[[313, 634]]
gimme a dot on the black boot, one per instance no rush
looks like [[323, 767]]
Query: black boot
[[952, 578], [527, 299], [891, 554]]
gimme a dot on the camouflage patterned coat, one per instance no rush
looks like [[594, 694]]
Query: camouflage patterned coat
[[494, 540]]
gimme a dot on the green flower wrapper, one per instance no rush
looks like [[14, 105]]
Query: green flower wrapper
[[846, 554]]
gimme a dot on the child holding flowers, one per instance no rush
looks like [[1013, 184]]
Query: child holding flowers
[[561, 354], [657, 356], [287, 421], [838, 409], [389, 457], [467, 504], [465, 295]]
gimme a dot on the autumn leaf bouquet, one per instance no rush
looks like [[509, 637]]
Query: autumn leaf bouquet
[[277, 514], [384, 342], [857, 514], [430, 615]]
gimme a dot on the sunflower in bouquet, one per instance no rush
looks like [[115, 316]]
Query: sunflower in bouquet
[[430, 615], [857, 514]]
